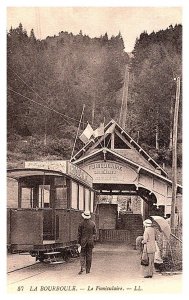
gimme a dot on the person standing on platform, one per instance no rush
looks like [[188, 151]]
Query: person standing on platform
[[86, 233], [149, 238]]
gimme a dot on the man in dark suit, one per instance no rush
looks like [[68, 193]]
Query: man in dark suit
[[86, 233]]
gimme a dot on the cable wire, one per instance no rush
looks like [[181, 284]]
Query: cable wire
[[38, 94], [44, 106]]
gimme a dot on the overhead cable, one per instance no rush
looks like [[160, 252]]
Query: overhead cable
[[38, 94], [44, 106]]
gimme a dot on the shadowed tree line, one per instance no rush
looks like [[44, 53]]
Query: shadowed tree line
[[64, 72]]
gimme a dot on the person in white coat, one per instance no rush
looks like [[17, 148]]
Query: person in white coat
[[149, 238]]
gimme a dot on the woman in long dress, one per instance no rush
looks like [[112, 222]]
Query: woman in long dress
[[149, 238]]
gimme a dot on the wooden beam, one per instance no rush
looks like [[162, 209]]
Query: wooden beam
[[112, 141], [19, 194], [123, 139], [129, 193]]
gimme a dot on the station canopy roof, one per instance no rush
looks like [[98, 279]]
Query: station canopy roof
[[19, 173], [127, 147]]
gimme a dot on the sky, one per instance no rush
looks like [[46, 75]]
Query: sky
[[94, 21]]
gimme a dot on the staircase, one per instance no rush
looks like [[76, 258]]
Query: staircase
[[129, 227]]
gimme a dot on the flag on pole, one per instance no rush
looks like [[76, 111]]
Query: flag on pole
[[99, 131], [87, 133]]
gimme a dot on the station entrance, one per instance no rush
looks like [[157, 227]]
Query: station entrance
[[131, 185]]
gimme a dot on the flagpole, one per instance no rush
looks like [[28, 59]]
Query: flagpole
[[77, 131]]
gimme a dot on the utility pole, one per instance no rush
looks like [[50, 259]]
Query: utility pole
[[123, 111], [93, 112], [77, 131], [171, 125], [174, 155], [45, 137], [157, 136]]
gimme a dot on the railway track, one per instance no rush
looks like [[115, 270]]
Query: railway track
[[26, 272], [35, 263], [32, 270], [21, 268]]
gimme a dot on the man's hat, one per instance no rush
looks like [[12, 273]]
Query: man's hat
[[86, 215], [147, 222]]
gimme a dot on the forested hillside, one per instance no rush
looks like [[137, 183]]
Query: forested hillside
[[50, 80]]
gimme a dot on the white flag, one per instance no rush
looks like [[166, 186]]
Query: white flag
[[87, 133], [99, 131]]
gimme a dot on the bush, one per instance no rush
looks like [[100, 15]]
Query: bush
[[33, 147], [163, 155]]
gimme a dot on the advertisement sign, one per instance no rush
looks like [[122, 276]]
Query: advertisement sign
[[80, 174], [111, 172], [55, 165]]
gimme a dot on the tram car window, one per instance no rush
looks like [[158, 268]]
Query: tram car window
[[81, 197], [92, 201], [87, 200], [45, 201], [74, 197]]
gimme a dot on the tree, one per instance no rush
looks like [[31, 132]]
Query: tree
[[156, 61]]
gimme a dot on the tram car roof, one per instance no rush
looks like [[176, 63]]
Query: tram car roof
[[53, 168]]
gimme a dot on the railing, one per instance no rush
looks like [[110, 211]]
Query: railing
[[114, 235], [174, 251]]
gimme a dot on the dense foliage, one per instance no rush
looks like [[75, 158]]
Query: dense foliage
[[66, 71], [155, 66]]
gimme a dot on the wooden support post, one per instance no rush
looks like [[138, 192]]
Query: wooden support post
[[36, 196], [19, 194], [43, 192], [174, 156], [112, 141]]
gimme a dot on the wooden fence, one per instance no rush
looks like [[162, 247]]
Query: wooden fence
[[113, 235]]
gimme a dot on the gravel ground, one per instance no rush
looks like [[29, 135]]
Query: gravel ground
[[115, 269]]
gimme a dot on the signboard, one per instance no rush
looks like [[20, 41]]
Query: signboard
[[80, 174], [61, 166], [55, 165], [111, 172]]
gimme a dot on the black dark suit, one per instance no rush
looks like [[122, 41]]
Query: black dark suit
[[86, 232]]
